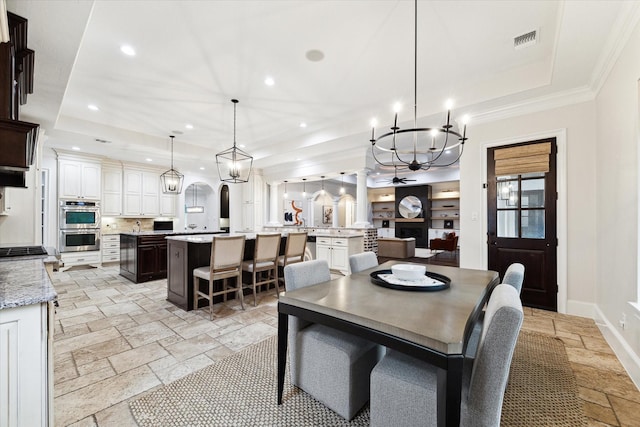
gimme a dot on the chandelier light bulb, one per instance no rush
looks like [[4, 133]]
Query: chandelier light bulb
[[397, 107], [448, 105]]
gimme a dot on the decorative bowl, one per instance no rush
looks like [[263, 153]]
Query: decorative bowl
[[408, 271]]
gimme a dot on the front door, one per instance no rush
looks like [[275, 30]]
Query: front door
[[521, 191]]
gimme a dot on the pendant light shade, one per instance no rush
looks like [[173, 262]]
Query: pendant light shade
[[234, 165], [342, 190], [172, 180]]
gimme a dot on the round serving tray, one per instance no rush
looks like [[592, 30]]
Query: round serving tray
[[377, 280]]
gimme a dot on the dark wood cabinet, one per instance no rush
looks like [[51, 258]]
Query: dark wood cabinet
[[143, 258], [183, 258]]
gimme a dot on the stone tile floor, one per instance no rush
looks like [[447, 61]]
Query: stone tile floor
[[115, 340]]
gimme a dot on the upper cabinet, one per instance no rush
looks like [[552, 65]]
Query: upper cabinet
[[141, 192], [112, 190], [79, 179]]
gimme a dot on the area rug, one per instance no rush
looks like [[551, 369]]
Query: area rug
[[241, 391], [542, 388]]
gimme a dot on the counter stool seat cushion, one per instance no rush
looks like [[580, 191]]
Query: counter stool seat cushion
[[248, 265]]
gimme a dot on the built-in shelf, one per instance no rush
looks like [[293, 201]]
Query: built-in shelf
[[409, 219]]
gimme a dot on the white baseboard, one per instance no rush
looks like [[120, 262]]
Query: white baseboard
[[629, 359], [582, 309]]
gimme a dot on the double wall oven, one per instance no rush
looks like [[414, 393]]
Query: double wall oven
[[79, 223]]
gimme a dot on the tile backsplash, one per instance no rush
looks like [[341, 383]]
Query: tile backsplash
[[112, 225]]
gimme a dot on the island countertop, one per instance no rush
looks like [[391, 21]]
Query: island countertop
[[25, 281], [169, 232]]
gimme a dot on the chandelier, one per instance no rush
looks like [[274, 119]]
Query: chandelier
[[419, 148], [234, 165], [172, 179]]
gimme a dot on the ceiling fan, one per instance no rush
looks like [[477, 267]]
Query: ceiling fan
[[395, 180]]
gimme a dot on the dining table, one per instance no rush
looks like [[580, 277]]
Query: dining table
[[433, 326]]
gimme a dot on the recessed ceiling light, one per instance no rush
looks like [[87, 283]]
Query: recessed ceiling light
[[93, 107], [149, 160], [242, 146], [314, 55], [127, 50], [303, 125], [201, 168], [269, 81], [188, 126], [75, 148], [298, 159]]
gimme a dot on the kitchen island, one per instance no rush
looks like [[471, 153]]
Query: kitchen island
[[186, 253], [143, 254], [26, 336]]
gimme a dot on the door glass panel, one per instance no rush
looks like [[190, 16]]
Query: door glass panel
[[507, 223], [532, 223], [532, 193], [507, 193]]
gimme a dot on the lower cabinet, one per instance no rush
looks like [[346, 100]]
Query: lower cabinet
[[71, 259], [26, 368], [336, 251], [143, 258], [183, 258], [110, 248]]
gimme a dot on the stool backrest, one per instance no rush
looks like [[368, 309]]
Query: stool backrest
[[267, 248], [227, 252], [296, 243]]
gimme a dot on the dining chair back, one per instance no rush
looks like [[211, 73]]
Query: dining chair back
[[362, 261], [225, 263], [514, 276], [331, 365], [263, 268], [402, 378]]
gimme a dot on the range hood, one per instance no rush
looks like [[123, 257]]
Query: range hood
[[17, 138]]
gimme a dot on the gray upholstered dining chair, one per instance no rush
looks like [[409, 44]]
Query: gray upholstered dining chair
[[404, 389], [225, 264], [362, 261], [514, 276], [263, 268], [331, 365]]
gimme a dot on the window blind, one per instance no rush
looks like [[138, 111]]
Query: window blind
[[522, 159]]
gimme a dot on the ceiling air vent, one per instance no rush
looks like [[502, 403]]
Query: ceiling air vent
[[525, 40]]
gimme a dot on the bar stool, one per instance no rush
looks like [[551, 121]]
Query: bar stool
[[293, 252], [226, 263], [264, 266]]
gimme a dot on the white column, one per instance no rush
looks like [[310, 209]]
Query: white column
[[336, 219], [274, 203], [361, 200]]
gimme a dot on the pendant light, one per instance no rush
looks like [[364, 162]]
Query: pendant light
[[285, 190], [234, 165], [418, 147], [172, 179], [322, 191], [342, 187], [194, 208], [304, 187]]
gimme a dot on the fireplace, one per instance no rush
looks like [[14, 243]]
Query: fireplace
[[412, 230]]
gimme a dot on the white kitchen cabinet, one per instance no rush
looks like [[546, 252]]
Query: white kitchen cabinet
[[78, 179], [337, 250], [72, 259], [168, 205], [26, 335], [141, 193], [110, 248], [111, 191]]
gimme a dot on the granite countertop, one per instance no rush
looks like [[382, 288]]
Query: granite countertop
[[168, 232], [207, 238], [24, 281]]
